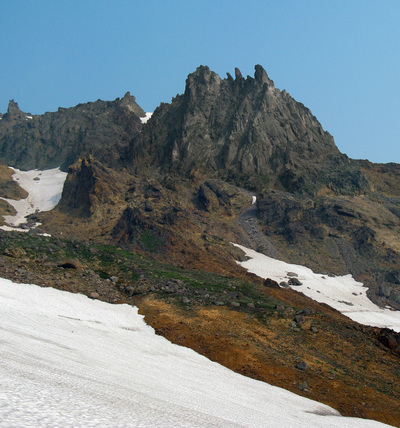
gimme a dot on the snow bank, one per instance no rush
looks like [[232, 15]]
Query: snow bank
[[44, 192], [340, 292], [66, 360]]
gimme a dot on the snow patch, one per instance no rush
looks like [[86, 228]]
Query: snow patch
[[146, 118], [69, 361], [343, 293], [44, 192]]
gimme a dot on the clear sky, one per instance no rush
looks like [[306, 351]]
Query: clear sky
[[340, 58]]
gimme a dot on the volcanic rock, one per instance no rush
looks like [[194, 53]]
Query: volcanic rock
[[103, 128], [245, 131]]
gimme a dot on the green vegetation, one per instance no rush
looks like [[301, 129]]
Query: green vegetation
[[150, 241], [129, 267]]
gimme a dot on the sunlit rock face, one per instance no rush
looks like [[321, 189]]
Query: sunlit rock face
[[243, 130]]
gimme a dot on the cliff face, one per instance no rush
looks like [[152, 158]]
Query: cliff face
[[245, 131], [102, 128]]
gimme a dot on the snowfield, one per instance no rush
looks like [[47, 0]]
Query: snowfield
[[69, 361], [44, 192], [340, 292]]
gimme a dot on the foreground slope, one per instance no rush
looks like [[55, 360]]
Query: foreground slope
[[250, 327], [66, 360]]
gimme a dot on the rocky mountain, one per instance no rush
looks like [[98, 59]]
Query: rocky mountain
[[220, 139], [102, 128], [247, 132], [312, 199], [158, 205], [203, 152]]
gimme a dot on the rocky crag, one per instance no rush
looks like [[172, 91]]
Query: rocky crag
[[247, 132], [101, 128], [312, 199]]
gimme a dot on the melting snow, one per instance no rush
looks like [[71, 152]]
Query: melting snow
[[69, 361], [340, 292], [44, 192]]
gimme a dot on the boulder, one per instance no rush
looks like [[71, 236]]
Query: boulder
[[302, 365], [294, 281]]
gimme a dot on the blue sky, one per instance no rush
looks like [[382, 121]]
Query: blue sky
[[340, 58]]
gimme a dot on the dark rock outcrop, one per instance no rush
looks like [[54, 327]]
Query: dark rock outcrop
[[102, 128], [247, 132], [216, 195], [90, 188], [14, 113], [390, 339], [135, 230]]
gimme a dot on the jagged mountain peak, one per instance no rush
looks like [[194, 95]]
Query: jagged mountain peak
[[200, 82], [203, 75], [261, 75], [241, 130], [13, 108], [238, 74]]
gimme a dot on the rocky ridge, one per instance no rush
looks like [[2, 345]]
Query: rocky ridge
[[100, 128]]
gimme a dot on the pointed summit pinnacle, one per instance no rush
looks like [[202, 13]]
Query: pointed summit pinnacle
[[261, 76], [129, 101], [13, 110], [238, 74]]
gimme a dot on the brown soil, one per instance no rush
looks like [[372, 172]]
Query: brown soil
[[343, 372]]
